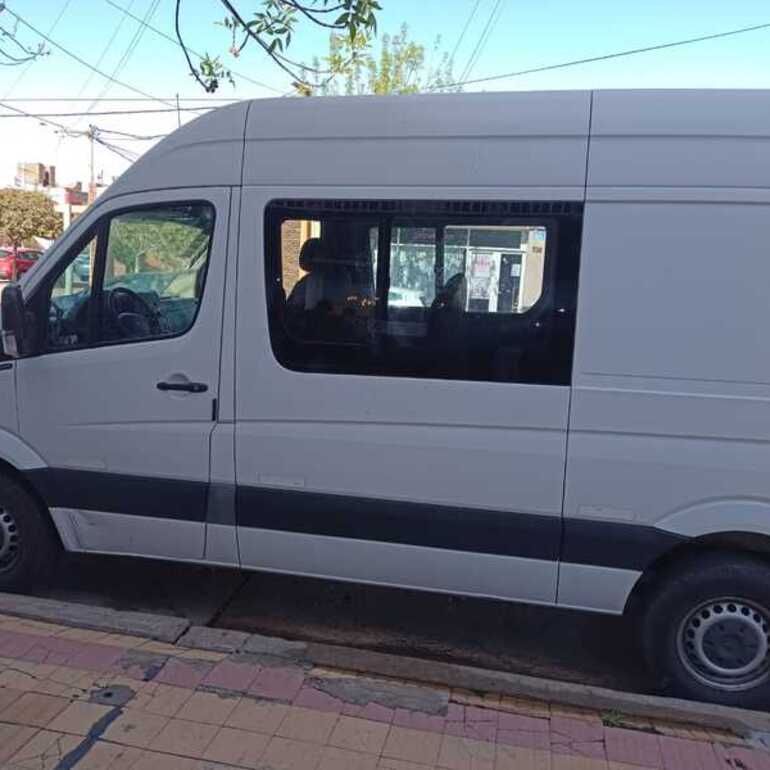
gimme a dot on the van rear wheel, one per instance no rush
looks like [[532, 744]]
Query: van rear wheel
[[28, 545], [707, 631]]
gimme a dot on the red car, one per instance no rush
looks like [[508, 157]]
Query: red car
[[15, 262]]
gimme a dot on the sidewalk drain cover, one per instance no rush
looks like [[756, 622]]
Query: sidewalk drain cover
[[118, 695]]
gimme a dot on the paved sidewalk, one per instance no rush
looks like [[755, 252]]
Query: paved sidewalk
[[72, 698]]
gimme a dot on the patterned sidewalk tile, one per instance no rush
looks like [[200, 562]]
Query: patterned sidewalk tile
[[185, 709]]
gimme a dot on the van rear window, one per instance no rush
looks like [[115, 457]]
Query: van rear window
[[423, 289]]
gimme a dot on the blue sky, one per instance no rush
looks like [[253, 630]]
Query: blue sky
[[524, 34]]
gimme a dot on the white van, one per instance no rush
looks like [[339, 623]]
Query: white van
[[568, 403]]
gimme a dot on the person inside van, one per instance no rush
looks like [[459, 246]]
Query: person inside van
[[326, 282], [318, 299], [329, 303]]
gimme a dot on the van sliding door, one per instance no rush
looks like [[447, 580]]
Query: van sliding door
[[402, 416]]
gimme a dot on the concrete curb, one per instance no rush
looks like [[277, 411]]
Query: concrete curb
[[741, 721], [178, 631], [161, 628]]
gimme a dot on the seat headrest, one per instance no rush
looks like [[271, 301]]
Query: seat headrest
[[454, 294], [312, 252]]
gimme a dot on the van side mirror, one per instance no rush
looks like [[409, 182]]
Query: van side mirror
[[13, 320]]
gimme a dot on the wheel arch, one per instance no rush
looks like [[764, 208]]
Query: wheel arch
[[16, 459], [16, 454], [736, 543], [731, 525]]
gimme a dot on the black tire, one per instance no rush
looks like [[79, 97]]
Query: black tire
[[681, 642], [29, 547]]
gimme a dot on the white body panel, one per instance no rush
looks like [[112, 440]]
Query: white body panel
[[99, 409], [535, 142], [680, 140], [107, 532], [207, 152], [665, 427], [13, 449], [600, 589], [477, 445], [404, 566], [670, 421]]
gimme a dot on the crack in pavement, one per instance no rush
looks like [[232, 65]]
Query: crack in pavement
[[97, 730], [361, 691]]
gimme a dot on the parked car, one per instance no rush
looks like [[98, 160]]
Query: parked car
[[605, 448], [15, 262], [398, 296]]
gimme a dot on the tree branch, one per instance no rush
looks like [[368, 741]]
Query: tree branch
[[265, 47], [13, 61], [309, 13], [193, 70], [29, 53], [300, 7]]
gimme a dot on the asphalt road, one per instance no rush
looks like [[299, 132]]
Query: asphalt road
[[592, 649]]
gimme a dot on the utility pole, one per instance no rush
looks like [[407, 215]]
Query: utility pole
[[91, 134], [178, 113]]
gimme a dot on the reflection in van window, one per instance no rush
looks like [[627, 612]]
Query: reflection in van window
[[449, 295], [501, 266], [154, 270], [68, 318]]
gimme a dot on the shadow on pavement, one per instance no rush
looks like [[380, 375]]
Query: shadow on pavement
[[593, 649]]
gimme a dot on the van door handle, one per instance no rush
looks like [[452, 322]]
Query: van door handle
[[189, 387]]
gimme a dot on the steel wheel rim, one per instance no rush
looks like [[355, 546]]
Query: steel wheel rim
[[725, 643], [10, 542]]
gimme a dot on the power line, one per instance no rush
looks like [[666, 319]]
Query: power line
[[126, 135], [92, 133], [614, 55], [195, 53], [136, 138], [488, 78], [104, 52], [117, 99], [104, 112], [25, 114], [129, 52], [80, 60], [482, 42], [131, 157], [465, 29]]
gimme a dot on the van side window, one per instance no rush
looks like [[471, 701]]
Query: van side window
[[466, 291], [140, 278], [155, 270]]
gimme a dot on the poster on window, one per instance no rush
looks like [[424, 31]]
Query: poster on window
[[481, 275]]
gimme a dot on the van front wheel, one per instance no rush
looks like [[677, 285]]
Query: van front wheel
[[28, 545], [707, 631]]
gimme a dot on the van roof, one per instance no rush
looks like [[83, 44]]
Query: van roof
[[524, 139]]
